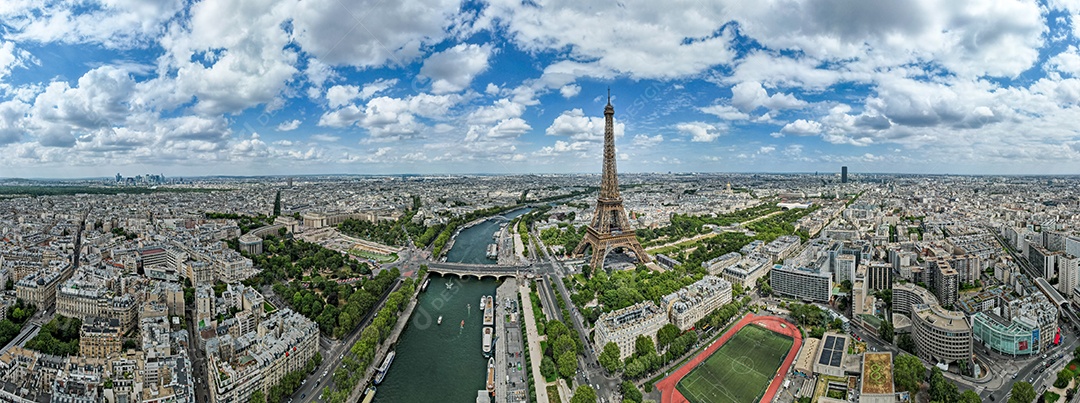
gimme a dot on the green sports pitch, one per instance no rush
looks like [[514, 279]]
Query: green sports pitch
[[740, 370]]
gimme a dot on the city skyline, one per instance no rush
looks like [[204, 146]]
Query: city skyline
[[250, 87]]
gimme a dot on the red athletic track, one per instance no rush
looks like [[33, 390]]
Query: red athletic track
[[668, 393]]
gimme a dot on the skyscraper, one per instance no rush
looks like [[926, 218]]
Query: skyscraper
[[610, 229], [843, 174]]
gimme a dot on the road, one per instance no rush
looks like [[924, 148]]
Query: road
[[332, 350], [590, 372]]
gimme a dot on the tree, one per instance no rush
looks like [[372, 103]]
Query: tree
[[567, 364], [258, 397], [634, 368], [886, 331], [1022, 392], [1063, 378], [563, 344], [609, 358], [845, 286], [584, 394], [905, 342], [969, 396], [643, 345], [908, 372], [941, 390], [630, 392], [547, 367], [666, 335]]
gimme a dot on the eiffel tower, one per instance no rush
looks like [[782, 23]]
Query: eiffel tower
[[610, 229]]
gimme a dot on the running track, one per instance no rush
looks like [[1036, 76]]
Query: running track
[[668, 393]]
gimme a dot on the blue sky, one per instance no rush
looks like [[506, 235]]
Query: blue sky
[[252, 87]]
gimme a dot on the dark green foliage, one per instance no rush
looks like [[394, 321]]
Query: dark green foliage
[[122, 232], [245, 222], [886, 330], [941, 390], [288, 385], [908, 372], [666, 335], [609, 358], [584, 394], [58, 337], [684, 226], [1022, 392], [630, 392], [806, 314], [565, 235], [905, 342]]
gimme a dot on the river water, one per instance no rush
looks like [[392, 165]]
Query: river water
[[444, 363], [471, 244]]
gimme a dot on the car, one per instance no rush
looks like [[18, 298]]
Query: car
[[303, 395]]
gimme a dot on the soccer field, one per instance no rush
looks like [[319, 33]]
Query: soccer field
[[740, 370]]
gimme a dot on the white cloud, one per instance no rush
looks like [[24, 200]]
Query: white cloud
[[453, 69], [802, 127], [570, 91], [288, 125], [512, 127], [392, 118], [645, 141], [641, 39], [726, 112], [325, 138], [766, 149], [369, 33], [110, 23], [1067, 62], [578, 127], [751, 95], [700, 131]]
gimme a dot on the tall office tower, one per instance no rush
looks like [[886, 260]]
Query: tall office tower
[[610, 229], [843, 174]]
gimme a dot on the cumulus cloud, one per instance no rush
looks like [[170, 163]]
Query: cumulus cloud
[[453, 69], [388, 118], [570, 91], [700, 131], [751, 95], [288, 125], [646, 141], [113, 24], [726, 112], [802, 127], [574, 124]]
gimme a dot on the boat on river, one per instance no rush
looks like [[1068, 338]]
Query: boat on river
[[439, 322], [488, 333], [491, 375]]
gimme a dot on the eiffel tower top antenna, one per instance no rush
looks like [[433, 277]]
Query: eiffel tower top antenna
[[609, 95]]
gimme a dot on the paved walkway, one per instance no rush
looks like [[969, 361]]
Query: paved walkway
[[535, 354], [668, 393]]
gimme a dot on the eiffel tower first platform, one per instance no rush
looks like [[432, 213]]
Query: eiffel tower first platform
[[610, 229]]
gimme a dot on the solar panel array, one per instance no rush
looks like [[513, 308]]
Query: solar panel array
[[832, 351]]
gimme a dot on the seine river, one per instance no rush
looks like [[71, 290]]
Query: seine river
[[444, 363]]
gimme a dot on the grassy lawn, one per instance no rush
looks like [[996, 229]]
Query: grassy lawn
[[740, 370], [378, 258], [553, 394]]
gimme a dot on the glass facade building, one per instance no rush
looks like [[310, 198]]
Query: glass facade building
[[1017, 337]]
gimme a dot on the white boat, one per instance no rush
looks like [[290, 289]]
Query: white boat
[[384, 367], [488, 331], [424, 287], [449, 285], [439, 322]]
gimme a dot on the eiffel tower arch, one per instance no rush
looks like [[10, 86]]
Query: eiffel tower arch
[[609, 229]]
